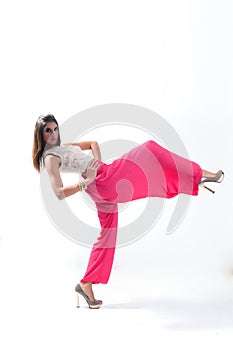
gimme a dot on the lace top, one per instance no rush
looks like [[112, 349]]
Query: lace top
[[73, 160]]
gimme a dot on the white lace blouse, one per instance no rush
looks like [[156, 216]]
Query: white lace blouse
[[73, 160]]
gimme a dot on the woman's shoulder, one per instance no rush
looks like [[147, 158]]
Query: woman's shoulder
[[61, 150], [49, 151], [51, 161]]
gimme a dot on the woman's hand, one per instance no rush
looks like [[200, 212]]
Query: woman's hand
[[91, 171]]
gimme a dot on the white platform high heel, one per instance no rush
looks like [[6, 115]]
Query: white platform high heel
[[218, 178], [96, 304], [77, 299]]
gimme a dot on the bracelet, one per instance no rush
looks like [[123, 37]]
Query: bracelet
[[82, 186]]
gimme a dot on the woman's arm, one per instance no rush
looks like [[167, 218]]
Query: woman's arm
[[96, 150], [52, 164], [86, 145]]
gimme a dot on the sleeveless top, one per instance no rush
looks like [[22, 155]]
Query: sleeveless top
[[73, 160]]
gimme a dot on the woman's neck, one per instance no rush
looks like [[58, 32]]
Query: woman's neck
[[48, 146]]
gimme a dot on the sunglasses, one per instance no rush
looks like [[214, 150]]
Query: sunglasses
[[50, 131]]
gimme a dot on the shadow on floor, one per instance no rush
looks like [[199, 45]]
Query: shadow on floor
[[177, 314]]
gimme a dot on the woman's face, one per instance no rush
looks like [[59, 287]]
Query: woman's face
[[50, 133]]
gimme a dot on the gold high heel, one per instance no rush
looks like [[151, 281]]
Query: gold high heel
[[96, 304], [218, 178]]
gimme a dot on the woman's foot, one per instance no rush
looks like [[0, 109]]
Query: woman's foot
[[206, 173], [207, 176], [93, 304], [87, 288], [211, 177]]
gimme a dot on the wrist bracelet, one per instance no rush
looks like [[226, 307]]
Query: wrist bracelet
[[82, 186]]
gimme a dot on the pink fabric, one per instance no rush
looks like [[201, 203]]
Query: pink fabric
[[148, 170]]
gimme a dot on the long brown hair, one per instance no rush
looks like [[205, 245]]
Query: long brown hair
[[39, 143]]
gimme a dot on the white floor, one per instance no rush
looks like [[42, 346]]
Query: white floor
[[164, 290]]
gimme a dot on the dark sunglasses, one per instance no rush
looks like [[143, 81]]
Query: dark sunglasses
[[50, 131]]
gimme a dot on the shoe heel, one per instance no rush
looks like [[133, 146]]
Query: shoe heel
[[207, 188], [77, 300]]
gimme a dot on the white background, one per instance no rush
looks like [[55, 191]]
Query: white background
[[173, 57]]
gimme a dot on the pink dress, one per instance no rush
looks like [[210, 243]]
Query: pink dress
[[148, 170]]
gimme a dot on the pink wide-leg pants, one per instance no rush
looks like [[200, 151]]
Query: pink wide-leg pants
[[148, 170]]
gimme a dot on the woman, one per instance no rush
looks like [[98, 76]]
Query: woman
[[148, 170]]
